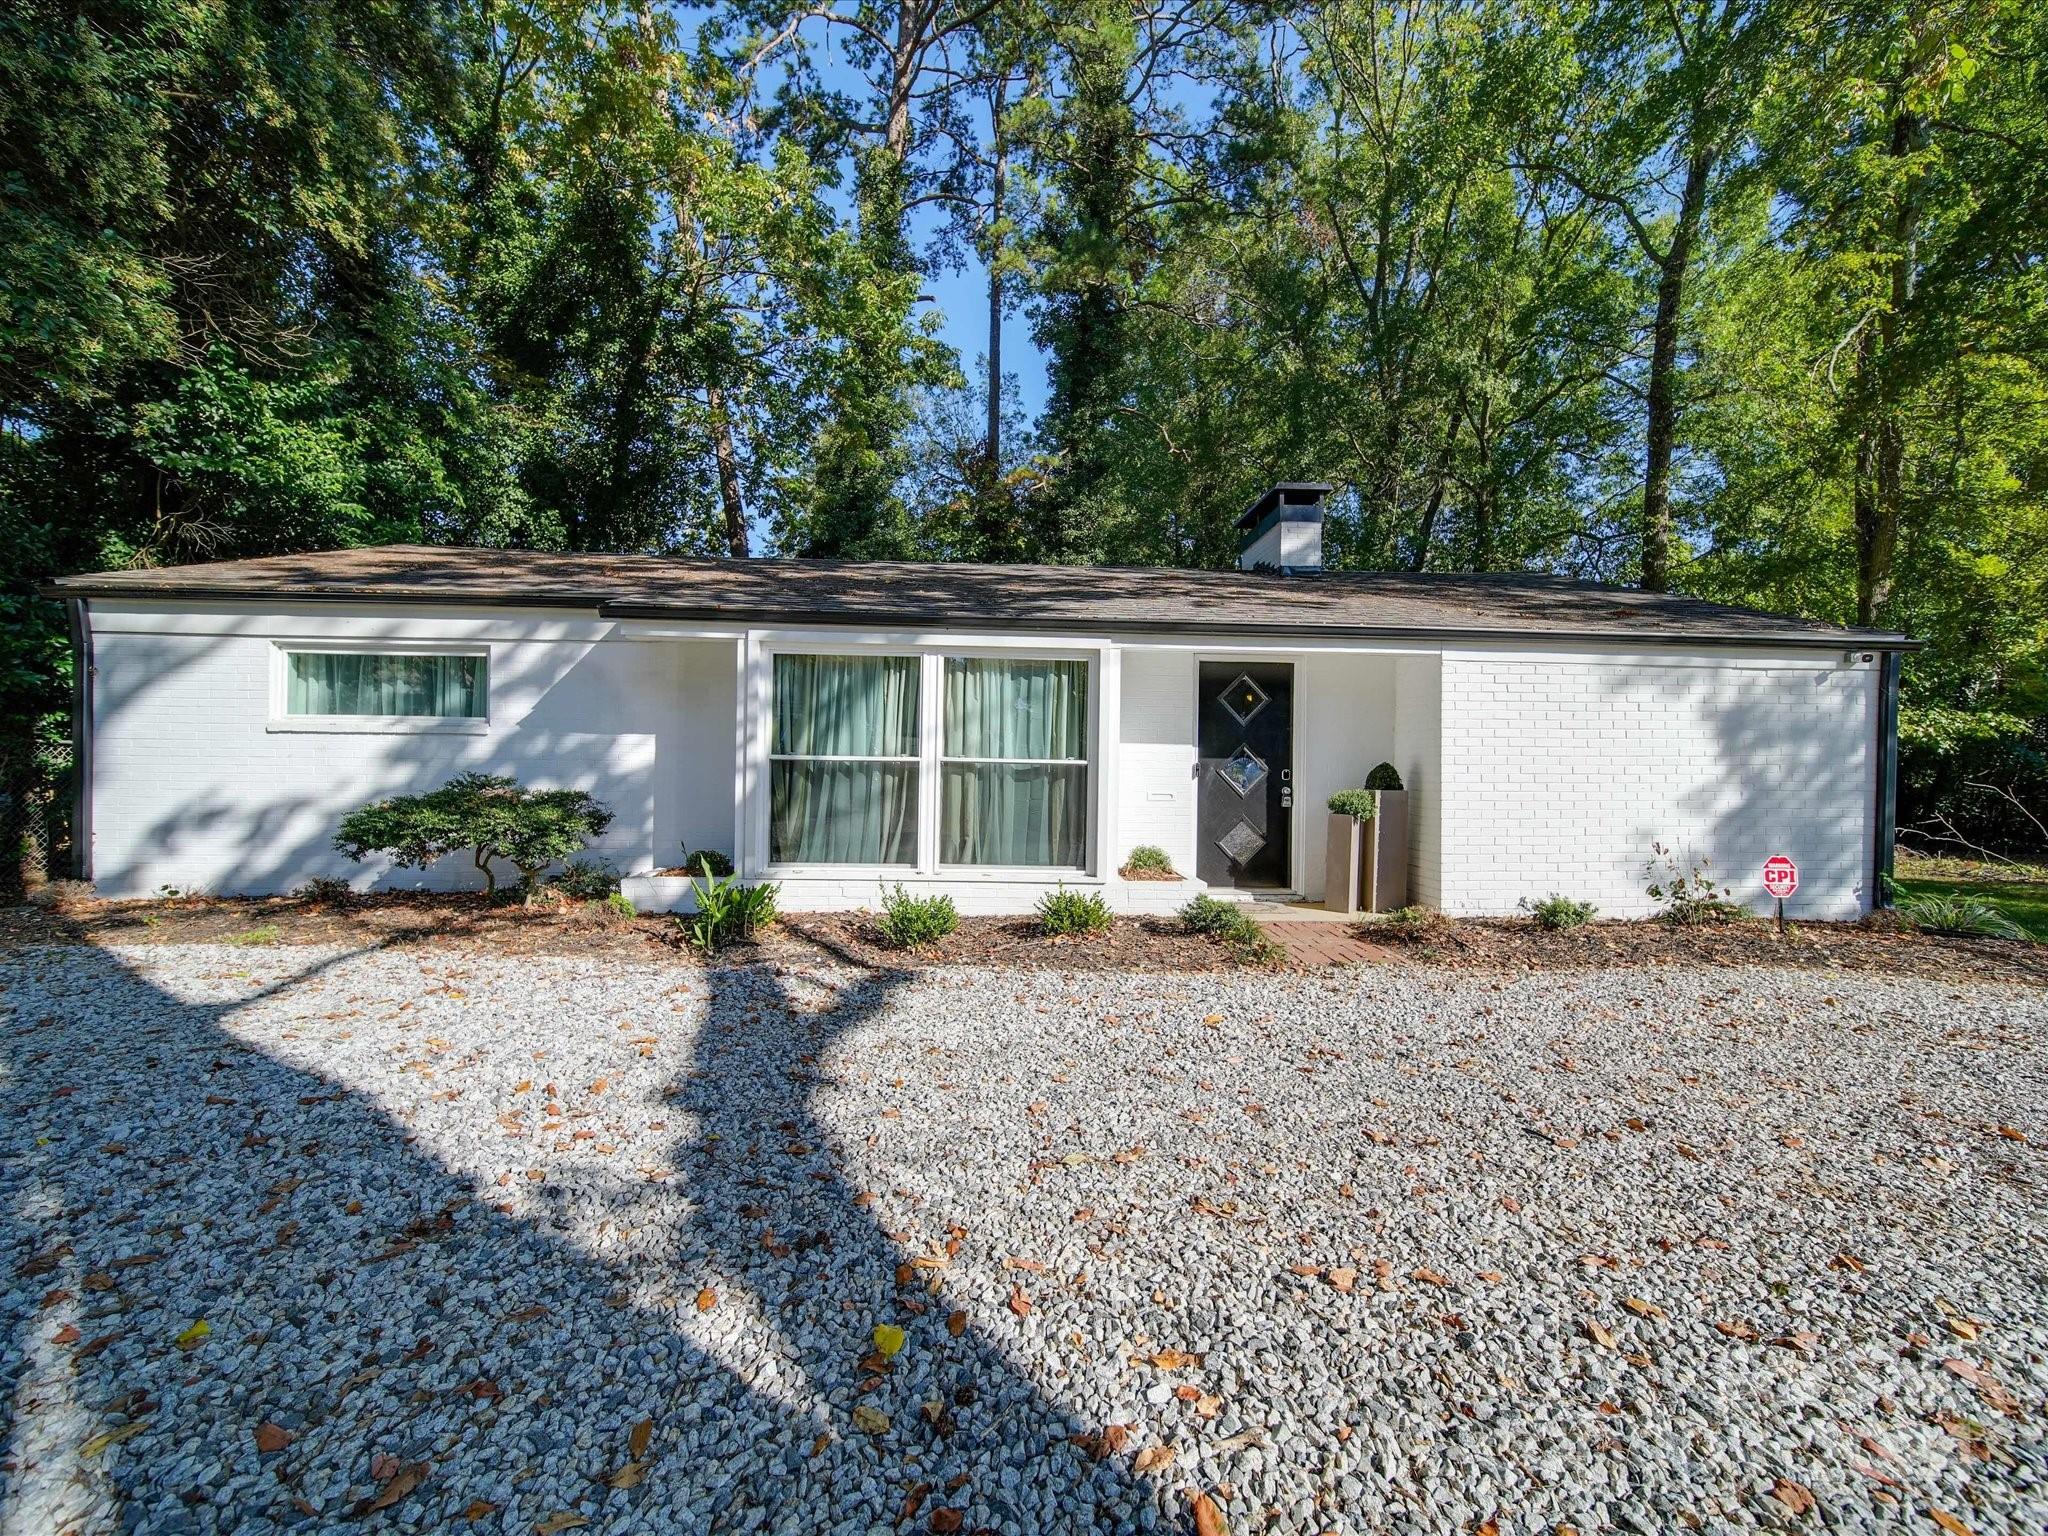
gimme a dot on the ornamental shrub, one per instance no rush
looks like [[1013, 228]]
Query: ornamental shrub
[[1956, 912], [1063, 912], [908, 921], [1362, 803], [1385, 776], [728, 912], [1228, 921], [1147, 859], [492, 817], [1688, 892], [707, 861], [1557, 912], [587, 880]]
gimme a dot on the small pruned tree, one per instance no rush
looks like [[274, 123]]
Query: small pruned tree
[[491, 816]]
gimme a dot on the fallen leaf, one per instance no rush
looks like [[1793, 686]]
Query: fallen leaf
[[407, 1478], [271, 1438], [1642, 1308], [1962, 1327], [560, 1520], [1599, 1333], [1736, 1330], [640, 1438], [956, 1323], [2010, 1134], [1796, 1497], [888, 1340], [1153, 1458], [1989, 1387], [1491, 1276], [1019, 1302], [945, 1520], [193, 1336], [1948, 1522], [870, 1420], [479, 1509], [1208, 1518], [1167, 1359], [68, 1334], [1344, 1280], [105, 1438], [1430, 1277], [706, 1299], [627, 1476]]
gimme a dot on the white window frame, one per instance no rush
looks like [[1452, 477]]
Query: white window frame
[[281, 652], [931, 746], [772, 757]]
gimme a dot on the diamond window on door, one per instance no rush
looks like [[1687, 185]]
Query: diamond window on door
[[1244, 770], [1244, 698], [1241, 842]]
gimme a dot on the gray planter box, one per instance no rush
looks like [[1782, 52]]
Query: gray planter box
[[1385, 880], [1344, 864]]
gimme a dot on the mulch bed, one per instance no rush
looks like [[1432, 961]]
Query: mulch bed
[[1137, 944], [1878, 943]]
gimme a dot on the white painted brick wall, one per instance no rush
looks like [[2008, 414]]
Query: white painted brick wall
[[191, 789], [1558, 774], [1418, 754]]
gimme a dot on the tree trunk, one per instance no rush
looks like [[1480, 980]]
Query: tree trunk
[[728, 473], [1881, 443], [992, 444], [1662, 391]]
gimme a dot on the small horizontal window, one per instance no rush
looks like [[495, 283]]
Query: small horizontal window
[[384, 685]]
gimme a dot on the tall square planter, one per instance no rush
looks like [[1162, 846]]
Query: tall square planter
[[1344, 864], [1384, 883]]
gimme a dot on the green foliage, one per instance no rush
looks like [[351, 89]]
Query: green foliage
[[1686, 890], [1062, 912], [325, 891], [728, 912], [268, 933], [1147, 859], [492, 817], [1364, 804], [587, 880], [1412, 922], [908, 922], [1957, 912], [1557, 912], [1227, 920], [620, 905], [1383, 776], [707, 861]]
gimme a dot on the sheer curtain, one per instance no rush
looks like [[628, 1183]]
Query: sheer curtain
[[1014, 783], [835, 795], [372, 683]]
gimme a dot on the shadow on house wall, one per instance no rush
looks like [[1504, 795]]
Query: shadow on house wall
[[377, 1302]]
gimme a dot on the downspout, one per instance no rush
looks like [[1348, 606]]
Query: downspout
[[80, 614], [1887, 774]]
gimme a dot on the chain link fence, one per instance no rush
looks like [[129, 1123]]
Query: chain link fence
[[36, 802]]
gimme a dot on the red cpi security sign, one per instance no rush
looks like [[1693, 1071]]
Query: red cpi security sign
[[1781, 876]]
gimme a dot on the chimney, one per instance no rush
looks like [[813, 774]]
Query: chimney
[[1283, 529]]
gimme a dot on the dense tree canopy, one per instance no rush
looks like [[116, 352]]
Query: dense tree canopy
[[1741, 297]]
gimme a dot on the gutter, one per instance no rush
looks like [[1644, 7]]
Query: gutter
[[1887, 830], [82, 670]]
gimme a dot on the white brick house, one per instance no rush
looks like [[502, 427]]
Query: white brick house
[[986, 731]]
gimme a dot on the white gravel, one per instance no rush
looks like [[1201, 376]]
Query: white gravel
[[447, 1219]]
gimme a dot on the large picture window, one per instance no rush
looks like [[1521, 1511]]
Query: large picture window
[[384, 685], [1013, 771], [843, 760]]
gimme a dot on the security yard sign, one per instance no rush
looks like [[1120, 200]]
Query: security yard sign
[[1781, 876]]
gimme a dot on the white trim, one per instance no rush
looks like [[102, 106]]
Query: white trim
[[279, 719]]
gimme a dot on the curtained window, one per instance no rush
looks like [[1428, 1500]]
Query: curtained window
[[1013, 770], [843, 760], [380, 683]]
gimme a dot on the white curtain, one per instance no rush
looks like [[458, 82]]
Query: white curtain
[[370, 683], [1028, 807]]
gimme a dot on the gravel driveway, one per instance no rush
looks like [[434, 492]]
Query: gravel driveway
[[297, 1235]]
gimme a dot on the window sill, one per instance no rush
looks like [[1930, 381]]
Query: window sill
[[375, 725], [1029, 874]]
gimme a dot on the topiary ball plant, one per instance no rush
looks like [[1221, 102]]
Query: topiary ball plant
[[1385, 776]]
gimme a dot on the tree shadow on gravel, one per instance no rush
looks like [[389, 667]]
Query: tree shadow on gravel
[[430, 1356]]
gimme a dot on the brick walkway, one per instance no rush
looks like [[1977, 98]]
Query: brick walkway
[[1311, 943]]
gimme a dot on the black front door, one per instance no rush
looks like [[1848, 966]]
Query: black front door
[[1244, 805]]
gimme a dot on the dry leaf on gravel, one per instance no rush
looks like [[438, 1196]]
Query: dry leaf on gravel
[[1948, 1522], [1988, 1386], [1642, 1308], [560, 1520], [1796, 1497], [271, 1438], [870, 1420], [1208, 1518], [1153, 1458], [1600, 1334], [640, 1438]]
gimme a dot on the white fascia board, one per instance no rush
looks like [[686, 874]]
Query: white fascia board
[[344, 623], [1654, 654]]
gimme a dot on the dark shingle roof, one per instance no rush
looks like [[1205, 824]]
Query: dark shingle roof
[[1084, 599]]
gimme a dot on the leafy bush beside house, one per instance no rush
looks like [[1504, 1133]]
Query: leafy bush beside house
[[587, 880], [1148, 862], [727, 912], [909, 921], [493, 818], [1229, 922], [1063, 912], [1686, 889], [1557, 912]]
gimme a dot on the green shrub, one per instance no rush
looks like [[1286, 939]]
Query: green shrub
[[908, 921], [325, 891], [621, 905], [1688, 893], [269, 933], [1956, 912], [1559, 912], [1362, 803], [1385, 776], [587, 880], [707, 861], [492, 817], [1146, 859], [1414, 922], [1230, 922], [728, 912], [1063, 912]]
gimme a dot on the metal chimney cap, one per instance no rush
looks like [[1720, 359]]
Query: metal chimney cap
[[1288, 493]]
